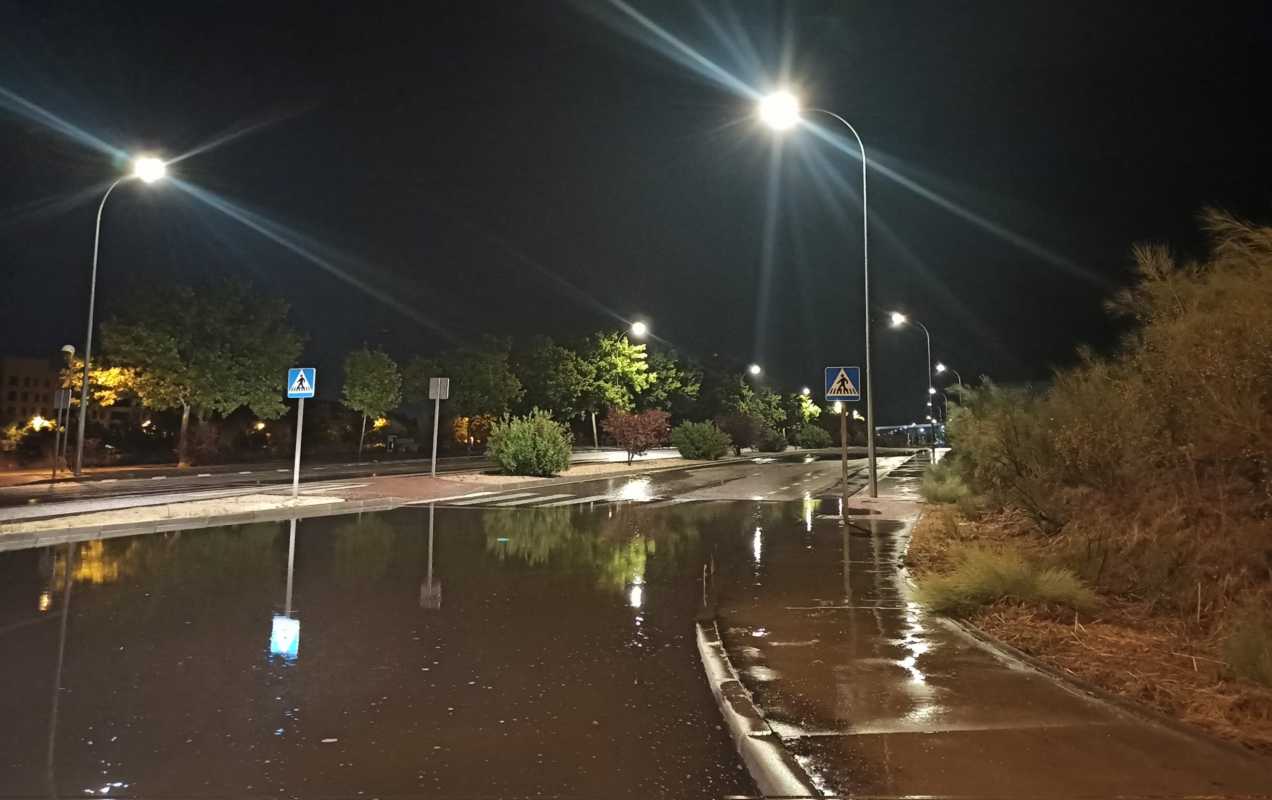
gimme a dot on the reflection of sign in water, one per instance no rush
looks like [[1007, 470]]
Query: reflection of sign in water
[[284, 637]]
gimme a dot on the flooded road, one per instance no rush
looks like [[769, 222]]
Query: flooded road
[[513, 652]]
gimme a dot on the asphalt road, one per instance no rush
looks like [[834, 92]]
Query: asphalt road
[[171, 480]]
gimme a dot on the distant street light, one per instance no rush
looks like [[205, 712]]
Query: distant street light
[[146, 169], [754, 369], [942, 368], [806, 391], [781, 111], [900, 320], [639, 329]]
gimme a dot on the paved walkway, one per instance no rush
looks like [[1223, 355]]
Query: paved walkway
[[872, 695]]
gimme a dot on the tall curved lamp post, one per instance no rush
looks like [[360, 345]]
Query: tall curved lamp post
[[781, 111], [146, 169]]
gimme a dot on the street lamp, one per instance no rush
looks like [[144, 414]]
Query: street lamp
[[806, 391], [781, 111], [754, 369], [146, 169], [939, 367], [900, 320], [639, 329]]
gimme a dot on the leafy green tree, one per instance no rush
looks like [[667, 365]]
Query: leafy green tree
[[676, 387], [482, 382], [620, 372], [210, 350], [763, 404], [372, 386], [555, 378]]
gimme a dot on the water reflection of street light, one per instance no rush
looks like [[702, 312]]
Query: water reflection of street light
[[146, 169]]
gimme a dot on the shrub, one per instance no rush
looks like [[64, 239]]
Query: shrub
[[531, 445], [813, 437], [770, 440], [941, 484], [636, 433], [702, 440], [1248, 646], [981, 577], [743, 429]]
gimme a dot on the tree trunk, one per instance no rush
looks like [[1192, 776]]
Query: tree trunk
[[595, 441], [183, 440], [362, 435]]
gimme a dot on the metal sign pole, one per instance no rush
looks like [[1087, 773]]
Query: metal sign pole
[[843, 445], [300, 428], [437, 409]]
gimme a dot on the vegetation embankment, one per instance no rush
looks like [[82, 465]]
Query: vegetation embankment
[[1118, 523]]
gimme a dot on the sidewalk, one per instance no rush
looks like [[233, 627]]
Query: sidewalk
[[869, 694]]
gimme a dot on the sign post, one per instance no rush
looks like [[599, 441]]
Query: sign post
[[300, 385], [438, 390], [61, 408], [843, 385]]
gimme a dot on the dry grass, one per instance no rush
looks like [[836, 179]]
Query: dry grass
[[1148, 652]]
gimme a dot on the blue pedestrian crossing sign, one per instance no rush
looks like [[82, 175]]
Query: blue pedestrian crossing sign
[[843, 383], [300, 382]]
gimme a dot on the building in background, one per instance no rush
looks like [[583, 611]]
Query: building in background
[[26, 388]]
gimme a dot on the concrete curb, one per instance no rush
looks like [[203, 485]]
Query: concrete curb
[[772, 767], [26, 540]]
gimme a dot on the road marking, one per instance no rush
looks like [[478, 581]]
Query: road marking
[[204, 475], [158, 477], [674, 501], [246, 472], [108, 480], [578, 500], [319, 467], [497, 499], [448, 499], [282, 470], [537, 498]]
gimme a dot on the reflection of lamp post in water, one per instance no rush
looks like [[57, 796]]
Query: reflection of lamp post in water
[[284, 636], [61, 654], [430, 593]]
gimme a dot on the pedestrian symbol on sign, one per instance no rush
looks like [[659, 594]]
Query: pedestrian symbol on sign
[[300, 382], [843, 383]]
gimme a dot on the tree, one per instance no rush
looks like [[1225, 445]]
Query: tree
[[620, 372], [555, 378], [482, 382], [213, 350], [763, 404], [636, 433], [372, 386], [676, 385]]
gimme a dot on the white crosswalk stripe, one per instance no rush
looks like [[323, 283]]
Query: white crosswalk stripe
[[527, 501], [494, 499], [578, 501]]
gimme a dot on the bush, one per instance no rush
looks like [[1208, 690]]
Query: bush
[[743, 429], [981, 577], [941, 484], [702, 440], [770, 440], [531, 445], [636, 433], [1248, 647], [812, 437]]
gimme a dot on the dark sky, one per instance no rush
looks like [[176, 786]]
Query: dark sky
[[524, 167]]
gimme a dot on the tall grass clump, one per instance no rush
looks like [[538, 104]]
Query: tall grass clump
[[982, 577], [942, 484]]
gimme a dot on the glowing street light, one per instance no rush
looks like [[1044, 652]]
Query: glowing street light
[[806, 391], [900, 320], [146, 169], [781, 111], [639, 329], [754, 369], [940, 368]]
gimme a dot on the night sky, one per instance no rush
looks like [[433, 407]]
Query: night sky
[[430, 172]]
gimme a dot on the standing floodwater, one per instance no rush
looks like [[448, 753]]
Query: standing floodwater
[[551, 653]]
